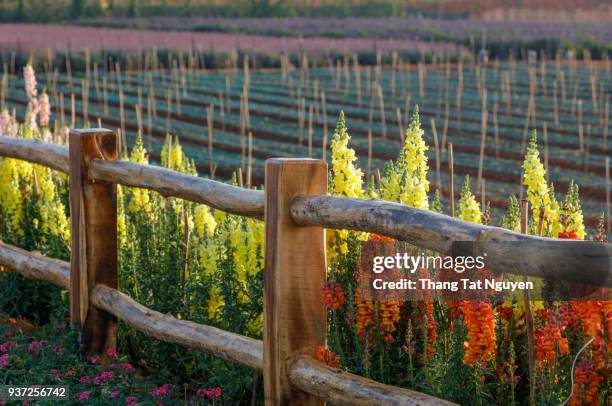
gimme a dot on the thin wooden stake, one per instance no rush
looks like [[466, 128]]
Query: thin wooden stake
[[209, 121], [310, 130], [483, 137], [451, 175], [369, 151], [400, 125], [545, 131], [528, 315], [437, 148], [249, 174], [608, 187]]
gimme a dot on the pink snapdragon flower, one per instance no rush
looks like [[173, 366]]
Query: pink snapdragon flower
[[84, 395], [44, 110], [29, 78], [209, 393], [162, 391], [7, 346], [131, 401], [4, 360], [103, 377]]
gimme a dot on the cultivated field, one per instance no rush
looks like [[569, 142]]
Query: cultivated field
[[292, 113]]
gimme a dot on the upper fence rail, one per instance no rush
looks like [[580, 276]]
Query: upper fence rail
[[550, 258]]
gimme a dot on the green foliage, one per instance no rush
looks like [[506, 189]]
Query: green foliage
[[50, 356]]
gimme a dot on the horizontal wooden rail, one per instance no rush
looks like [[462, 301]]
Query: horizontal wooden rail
[[507, 251], [223, 344], [167, 182], [32, 265], [305, 373], [232, 199], [32, 150], [344, 388]]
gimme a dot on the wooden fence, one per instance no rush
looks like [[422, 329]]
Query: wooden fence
[[296, 209]]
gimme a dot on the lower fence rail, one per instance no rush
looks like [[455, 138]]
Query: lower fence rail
[[305, 373]]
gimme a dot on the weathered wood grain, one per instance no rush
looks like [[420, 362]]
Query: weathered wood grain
[[295, 318], [93, 227], [343, 388], [231, 199], [32, 265], [36, 151], [223, 344], [577, 261]]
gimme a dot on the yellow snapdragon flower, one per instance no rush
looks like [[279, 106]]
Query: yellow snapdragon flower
[[406, 180], [468, 209], [205, 222], [215, 303], [140, 200], [346, 180], [538, 192]]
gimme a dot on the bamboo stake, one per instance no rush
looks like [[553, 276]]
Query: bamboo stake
[[138, 110], [496, 126], [209, 121], [528, 315], [62, 110], [563, 92], [580, 127], [437, 151], [369, 151], [122, 111], [381, 102], [407, 109], [400, 126], [325, 129], [606, 123], [168, 109], [545, 131], [243, 134], [593, 81], [483, 136], [483, 200], [310, 118], [72, 111], [239, 176], [149, 121], [357, 72], [526, 126], [250, 162], [451, 173], [587, 151], [228, 85], [555, 105], [608, 187], [421, 80]]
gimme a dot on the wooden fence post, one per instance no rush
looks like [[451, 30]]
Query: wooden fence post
[[93, 208], [295, 270]]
